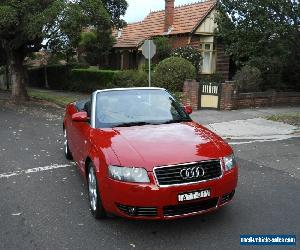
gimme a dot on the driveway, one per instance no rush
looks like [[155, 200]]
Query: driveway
[[215, 116], [44, 200]]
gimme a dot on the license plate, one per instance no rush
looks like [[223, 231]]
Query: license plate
[[194, 195]]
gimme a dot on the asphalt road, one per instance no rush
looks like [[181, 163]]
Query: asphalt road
[[47, 206]]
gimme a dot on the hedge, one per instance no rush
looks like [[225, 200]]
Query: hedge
[[89, 80], [69, 77], [130, 78]]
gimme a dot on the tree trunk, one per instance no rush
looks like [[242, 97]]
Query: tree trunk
[[46, 77], [17, 76], [7, 76]]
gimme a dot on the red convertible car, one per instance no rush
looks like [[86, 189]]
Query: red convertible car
[[143, 157]]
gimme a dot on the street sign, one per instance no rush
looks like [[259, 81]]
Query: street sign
[[149, 49]]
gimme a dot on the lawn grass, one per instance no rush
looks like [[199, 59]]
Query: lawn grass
[[58, 97], [289, 118]]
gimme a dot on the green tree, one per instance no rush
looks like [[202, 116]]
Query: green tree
[[163, 48], [27, 26], [291, 73], [116, 9], [95, 46], [88, 44], [264, 34]]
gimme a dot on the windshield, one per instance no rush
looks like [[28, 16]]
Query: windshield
[[132, 107]]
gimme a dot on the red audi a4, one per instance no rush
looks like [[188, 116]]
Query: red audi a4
[[143, 157]]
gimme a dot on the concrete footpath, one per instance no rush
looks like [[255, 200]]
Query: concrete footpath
[[248, 125]]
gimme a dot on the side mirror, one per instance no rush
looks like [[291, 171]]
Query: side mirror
[[80, 117], [188, 109]]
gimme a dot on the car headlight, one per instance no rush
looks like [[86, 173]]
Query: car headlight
[[126, 174], [229, 162]]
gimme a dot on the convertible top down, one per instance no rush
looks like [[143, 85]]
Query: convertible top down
[[143, 157]]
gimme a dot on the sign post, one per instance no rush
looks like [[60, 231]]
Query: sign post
[[149, 50]]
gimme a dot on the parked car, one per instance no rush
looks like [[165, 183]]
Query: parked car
[[143, 157]]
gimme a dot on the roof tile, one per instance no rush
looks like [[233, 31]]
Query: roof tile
[[186, 19]]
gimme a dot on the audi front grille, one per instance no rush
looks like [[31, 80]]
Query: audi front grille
[[188, 173]]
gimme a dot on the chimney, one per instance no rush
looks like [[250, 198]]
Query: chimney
[[169, 14]]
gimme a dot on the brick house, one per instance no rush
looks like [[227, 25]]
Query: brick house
[[187, 25]]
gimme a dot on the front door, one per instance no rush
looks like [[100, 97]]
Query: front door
[[82, 133]]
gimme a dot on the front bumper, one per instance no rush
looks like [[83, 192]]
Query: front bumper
[[149, 201]]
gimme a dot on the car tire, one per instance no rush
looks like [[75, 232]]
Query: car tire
[[94, 194], [67, 151]]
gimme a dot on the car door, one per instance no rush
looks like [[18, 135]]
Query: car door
[[82, 133]]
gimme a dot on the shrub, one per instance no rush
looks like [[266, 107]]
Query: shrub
[[36, 77], [144, 67], [130, 78], [191, 54], [78, 65], [58, 76], [248, 79], [172, 72], [271, 71]]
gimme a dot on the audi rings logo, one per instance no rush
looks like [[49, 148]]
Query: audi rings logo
[[192, 173]]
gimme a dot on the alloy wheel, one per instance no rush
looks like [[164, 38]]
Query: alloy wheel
[[92, 189]]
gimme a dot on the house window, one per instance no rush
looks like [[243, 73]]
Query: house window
[[208, 51]]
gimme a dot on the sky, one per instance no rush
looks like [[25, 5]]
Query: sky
[[139, 9]]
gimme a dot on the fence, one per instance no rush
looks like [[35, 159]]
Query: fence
[[229, 98]]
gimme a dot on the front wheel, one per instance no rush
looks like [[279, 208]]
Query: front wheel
[[94, 195], [67, 151]]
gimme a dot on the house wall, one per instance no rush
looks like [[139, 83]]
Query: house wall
[[195, 41], [180, 41], [124, 59], [209, 25], [114, 60], [223, 62], [132, 59]]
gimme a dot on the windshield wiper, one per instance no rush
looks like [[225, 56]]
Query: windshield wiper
[[177, 121], [129, 124]]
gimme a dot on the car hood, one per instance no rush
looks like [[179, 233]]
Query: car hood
[[158, 145]]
